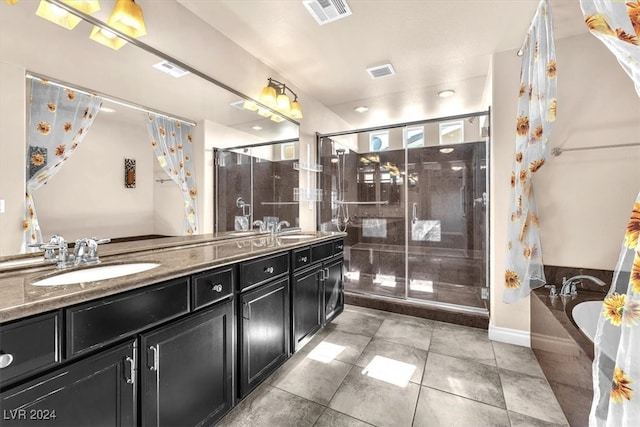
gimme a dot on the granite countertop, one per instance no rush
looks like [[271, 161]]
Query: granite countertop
[[177, 256]]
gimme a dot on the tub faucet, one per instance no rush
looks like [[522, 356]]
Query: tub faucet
[[569, 287]]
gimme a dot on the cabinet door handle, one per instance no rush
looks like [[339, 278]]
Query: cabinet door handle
[[322, 276], [246, 311], [6, 359], [132, 370], [302, 259], [268, 270], [326, 274], [217, 287], [155, 360]]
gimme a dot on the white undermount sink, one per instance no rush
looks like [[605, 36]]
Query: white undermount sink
[[94, 274], [243, 233], [296, 236]]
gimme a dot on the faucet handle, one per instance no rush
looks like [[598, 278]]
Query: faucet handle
[[552, 290]]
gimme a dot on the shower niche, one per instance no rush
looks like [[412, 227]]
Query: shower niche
[[413, 203]]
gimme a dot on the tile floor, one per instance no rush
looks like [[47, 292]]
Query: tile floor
[[373, 368]]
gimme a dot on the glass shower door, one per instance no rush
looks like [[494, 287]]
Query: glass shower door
[[444, 262]]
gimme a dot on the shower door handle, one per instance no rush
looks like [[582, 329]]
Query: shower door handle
[[414, 214], [463, 200]]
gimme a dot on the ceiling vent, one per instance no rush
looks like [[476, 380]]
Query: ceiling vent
[[172, 69], [380, 71], [325, 11]]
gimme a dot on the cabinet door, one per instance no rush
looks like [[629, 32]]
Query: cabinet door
[[333, 290], [99, 390], [186, 367], [306, 291], [264, 328]]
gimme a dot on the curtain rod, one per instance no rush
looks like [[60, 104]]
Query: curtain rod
[[128, 104], [557, 150]]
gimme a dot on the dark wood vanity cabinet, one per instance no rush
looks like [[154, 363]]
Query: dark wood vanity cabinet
[[178, 352], [316, 289], [186, 370], [263, 332], [100, 390]]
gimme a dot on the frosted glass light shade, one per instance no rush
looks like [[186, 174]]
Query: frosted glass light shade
[[127, 18], [106, 38], [57, 15], [86, 6], [283, 103], [296, 110], [268, 96]]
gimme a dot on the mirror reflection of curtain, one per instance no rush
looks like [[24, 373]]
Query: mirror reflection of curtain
[[173, 147], [59, 120], [616, 367], [617, 25], [536, 116]]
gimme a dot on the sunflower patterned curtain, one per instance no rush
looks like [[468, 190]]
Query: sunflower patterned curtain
[[616, 366], [172, 145], [59, 120], [537, 105], [617, 24]]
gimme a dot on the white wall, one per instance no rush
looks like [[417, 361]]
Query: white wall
[[584, 198], [12, 156], [88, 196]]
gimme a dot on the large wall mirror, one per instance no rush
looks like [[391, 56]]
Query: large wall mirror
[[89, 196]]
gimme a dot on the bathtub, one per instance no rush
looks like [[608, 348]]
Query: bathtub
[[585, 315], [562, 333]]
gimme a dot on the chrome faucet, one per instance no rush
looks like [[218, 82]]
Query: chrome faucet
[[261, 224], [62, 259], [86, 250], [278, 227], [569, 286]]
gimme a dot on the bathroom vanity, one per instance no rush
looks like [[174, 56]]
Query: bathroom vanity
[[179, 344]]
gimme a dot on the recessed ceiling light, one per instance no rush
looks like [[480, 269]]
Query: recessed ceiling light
[[446, 150], [361, 109], [107, 110], [446, 93], [256, 127]]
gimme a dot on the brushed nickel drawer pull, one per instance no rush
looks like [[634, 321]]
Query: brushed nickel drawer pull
[[155, 361], [6, 359], [268, 270], [302, 259], [132, 370], [217, 287]]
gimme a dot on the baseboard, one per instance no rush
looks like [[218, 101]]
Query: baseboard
[[509, 336]]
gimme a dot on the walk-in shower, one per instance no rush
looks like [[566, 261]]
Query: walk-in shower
[[413, 200]]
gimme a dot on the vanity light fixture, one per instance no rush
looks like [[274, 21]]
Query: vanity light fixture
[[106, 37], [125, 17], [446, 150], [61, 17], [446, 93], [274, 95]]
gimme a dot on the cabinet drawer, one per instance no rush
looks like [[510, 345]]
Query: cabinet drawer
[[263, 269], [322, 251], [211, 286], [28, 345], [301, 258], [100, 322]]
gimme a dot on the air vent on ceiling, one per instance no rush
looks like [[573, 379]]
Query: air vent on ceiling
[[380, 71], [325, 11], [171, 69]]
